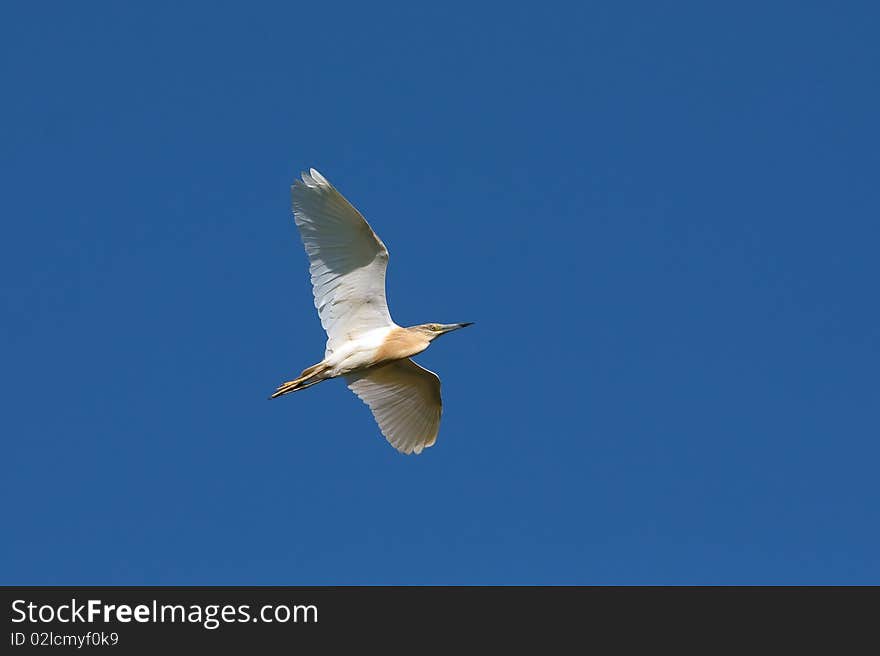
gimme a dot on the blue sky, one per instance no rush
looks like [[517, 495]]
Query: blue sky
[[663, 220]]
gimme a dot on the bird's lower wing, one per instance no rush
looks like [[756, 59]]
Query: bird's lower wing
[[405, 400]]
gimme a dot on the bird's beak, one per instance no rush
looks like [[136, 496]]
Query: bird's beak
[[448, 328]]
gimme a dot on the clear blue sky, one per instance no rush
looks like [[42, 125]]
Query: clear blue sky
[[663, 220]]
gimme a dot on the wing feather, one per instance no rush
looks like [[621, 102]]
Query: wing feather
[[347, 260], [405, 401]]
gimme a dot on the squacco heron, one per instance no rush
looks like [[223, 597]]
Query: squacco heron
[[347, 262]]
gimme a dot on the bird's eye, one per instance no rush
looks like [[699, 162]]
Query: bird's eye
[[435, 327]]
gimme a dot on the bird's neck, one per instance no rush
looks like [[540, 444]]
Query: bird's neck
[[401, 343]]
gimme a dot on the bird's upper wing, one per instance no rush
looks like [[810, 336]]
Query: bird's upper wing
[[347, 260], [405, 400]]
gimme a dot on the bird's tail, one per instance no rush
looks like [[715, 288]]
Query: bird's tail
[[312, 375]]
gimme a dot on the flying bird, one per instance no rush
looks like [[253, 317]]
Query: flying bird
[[347, 262]]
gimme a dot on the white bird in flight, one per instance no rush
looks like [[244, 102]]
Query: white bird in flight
[[347, 261]]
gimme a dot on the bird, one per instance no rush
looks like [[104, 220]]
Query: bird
[[347, 264]]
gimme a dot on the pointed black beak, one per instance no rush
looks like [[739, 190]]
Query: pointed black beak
[[466, 324]]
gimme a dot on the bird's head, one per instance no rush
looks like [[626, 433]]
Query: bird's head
[[433, 330]]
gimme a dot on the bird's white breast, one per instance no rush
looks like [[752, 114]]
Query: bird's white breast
[[359, 352]]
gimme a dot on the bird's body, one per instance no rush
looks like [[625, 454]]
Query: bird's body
[[347, 265], [374, 347]]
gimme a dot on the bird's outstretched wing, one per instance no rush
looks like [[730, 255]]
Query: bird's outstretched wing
[[347, 260], [405, 400]]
